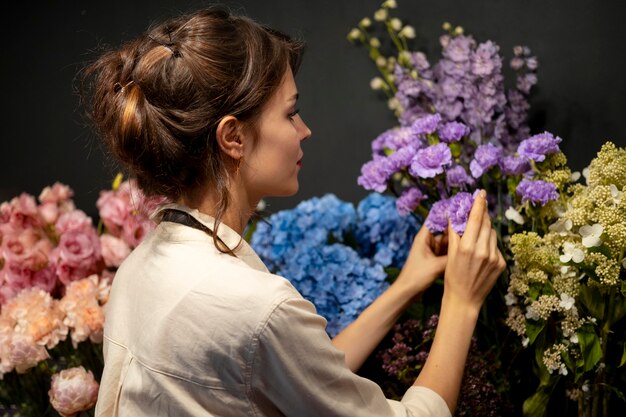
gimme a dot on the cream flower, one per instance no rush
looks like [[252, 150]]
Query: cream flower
[[572, 253], [375, 43], [617, 194], [567, 301], [407, 32], [390, 4], [381, 14], [575, 176], [377, 83], [510, 299], [354, 34], [562, 226], [591, 235], [396, 24], [365, 22], [72, 391], [514, 215]]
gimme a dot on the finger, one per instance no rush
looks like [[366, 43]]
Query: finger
[[484, 235], [423, 235], [475, 219], [453, 239]]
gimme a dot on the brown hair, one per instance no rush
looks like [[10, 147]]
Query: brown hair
[[157, 100]]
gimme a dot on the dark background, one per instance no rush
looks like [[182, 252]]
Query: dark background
[[581, 95]]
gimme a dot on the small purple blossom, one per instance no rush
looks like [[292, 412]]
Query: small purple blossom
[[402, 158], [375, 174], [437, 220], [427, 124], [512, 165], [409, 200], [457, 176], [458, 49], [537, 191], [459, 208], [485, 157], [526, 81], [393, 139], [537, 147], [485, 60], [452, 132], [431, 161]]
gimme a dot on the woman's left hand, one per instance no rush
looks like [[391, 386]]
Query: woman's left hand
[[425, 263]]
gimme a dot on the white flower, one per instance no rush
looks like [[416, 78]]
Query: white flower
[[354, 34], [574, 338], [510, 299], [377, 83], [390, 4], [586, 175], [572, 253], [365, 22], [375, 43], [261, 205], [394, 104], [532, 314], [591, 235], [575, 176], [381, 61], [407, 32], [459, 30], [585, 387], [396, 24], [561, 226], [567, 301], [525, 342], [381, 14], [563, 369], [514, 215], [617, 194]]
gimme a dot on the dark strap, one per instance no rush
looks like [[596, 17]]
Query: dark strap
[[184, 218]]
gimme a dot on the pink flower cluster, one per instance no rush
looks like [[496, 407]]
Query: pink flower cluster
[[125, 212], [46, 244], [72, 391], [33, 322]]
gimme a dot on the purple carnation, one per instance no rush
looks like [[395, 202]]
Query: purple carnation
[[459, 209], [393, 139], [426, 124], [537, 147], [452, 132], [458, 177], [402, 158], [485, 157], [409, 200], [511, 165], [437, 220], [537, 191], [431, 161], [375, 174]]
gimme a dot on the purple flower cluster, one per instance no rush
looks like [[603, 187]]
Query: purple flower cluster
[[537, 147], [485, 157], [537, 191], [455, 210]]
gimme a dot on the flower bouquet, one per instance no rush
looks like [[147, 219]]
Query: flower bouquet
[[55, 275]]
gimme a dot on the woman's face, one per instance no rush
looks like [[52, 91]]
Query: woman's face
[[270, 167]]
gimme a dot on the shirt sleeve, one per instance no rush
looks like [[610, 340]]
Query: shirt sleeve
[[296, 371]]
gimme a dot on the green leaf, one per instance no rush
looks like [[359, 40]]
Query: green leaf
[[592, 300], [623, 361], [536, 405], [619, 309], [590, 347], [533, 329]]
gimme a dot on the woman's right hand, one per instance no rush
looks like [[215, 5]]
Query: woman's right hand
[[474, 260]]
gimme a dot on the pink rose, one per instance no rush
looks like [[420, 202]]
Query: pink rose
[[113, 211], [23, 211], [49, 212], [72, 391], [75, 220], [135, 229], [16, 277], [57, 193], [114, 250], [46, 278], [26, 248], [77, 255]]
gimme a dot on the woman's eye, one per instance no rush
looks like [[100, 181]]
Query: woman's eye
[[293, 113]]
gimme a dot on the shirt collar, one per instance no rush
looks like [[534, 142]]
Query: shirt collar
[[232, 239]]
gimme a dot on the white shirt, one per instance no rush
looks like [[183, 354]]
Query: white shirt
[[191, 331]]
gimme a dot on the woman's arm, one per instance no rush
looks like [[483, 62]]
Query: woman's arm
[[422, 267], [474, 264]]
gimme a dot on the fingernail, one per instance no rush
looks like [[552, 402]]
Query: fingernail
[[483, 193]]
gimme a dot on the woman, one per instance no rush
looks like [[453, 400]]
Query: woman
[[202, 109]]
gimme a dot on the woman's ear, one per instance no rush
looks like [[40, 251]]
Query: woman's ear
[[229, 137]]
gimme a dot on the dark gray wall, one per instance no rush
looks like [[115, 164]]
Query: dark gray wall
[[581, 94]]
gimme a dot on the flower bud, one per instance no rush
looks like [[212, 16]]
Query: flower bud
[[407, 32], [396, 24], [390, 4], [458, 30], [374, 43], [381, 62], [354, 34], [365, 22], [377, 83], [381, 14], [446, 26]]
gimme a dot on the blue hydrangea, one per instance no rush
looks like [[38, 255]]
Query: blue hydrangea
[[382, 233], [308, 245]]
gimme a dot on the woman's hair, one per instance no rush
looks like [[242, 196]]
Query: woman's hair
[[157, 100]]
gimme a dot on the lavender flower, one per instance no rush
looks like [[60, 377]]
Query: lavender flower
[[483, 62], [511, 165], [430, 161], [485, 157], [375, 174], [427, 124], [437, 220], [394, 139], [452, 132], [402, 157], [409, 200], [537, 191], [458, 49], [458, 177], [459, 208], [537, 147]]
